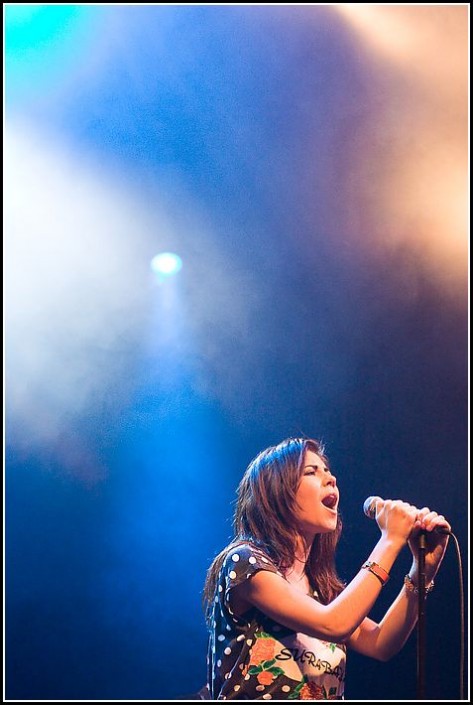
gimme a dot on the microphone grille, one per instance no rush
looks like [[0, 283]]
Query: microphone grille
[[369, 507]]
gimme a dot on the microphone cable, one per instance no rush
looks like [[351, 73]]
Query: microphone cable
[[462, 616]]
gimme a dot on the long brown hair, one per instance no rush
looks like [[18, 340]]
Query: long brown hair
[[265, 516]]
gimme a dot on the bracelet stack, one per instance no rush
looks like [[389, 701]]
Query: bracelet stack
[[376, 569], [410, 587]]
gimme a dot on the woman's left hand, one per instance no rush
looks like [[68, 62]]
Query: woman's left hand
[[436, 542]]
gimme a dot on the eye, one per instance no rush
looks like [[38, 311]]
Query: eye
[[311, 470]]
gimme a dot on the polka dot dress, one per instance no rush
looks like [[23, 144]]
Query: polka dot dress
[[251, 657]]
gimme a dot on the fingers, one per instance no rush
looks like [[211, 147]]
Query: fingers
[[429, 520], [397, 506], [395, 514], [396, 518]]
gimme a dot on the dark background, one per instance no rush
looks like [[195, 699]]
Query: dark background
[[312, 185]]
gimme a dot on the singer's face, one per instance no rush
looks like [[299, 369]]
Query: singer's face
[[317, 497]]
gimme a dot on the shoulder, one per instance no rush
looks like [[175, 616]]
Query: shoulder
[[247, 553], [242, 561]]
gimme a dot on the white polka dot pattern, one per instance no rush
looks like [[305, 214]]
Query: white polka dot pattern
[[241, 643]]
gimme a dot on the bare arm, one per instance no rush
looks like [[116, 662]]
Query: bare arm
[[382, 641], [336, 621]]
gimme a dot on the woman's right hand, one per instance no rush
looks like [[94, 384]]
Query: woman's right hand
[[396, 519]]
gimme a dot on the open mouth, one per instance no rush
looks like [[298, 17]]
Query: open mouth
[[330, 501]]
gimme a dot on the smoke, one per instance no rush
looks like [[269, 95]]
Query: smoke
[[85, 322], [408, 161], [74, 271]]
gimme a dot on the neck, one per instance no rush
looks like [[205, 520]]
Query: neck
[[304, 544], [301, 555]]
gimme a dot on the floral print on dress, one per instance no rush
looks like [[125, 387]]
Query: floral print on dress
[[307, 690], [262, 655], [252, 657]]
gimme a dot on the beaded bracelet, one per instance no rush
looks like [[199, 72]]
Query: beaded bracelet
[[376, 569], [410, 587]]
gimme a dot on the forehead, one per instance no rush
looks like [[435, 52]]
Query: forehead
[[313, 458]]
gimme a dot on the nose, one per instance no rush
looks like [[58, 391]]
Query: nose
[[331, 479]]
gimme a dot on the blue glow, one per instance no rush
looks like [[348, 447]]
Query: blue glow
[[43, 44], [166, 264], [31, 25]]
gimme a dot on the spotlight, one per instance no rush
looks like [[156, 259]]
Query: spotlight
[[166, 264]]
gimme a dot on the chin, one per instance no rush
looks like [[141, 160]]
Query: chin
[[320, 527], [329, 526]]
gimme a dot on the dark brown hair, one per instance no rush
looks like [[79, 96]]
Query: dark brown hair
[[265, 516]]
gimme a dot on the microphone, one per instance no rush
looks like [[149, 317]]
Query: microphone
[[371, 503]]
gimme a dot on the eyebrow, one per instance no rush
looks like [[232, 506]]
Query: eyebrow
[[316, 467]]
